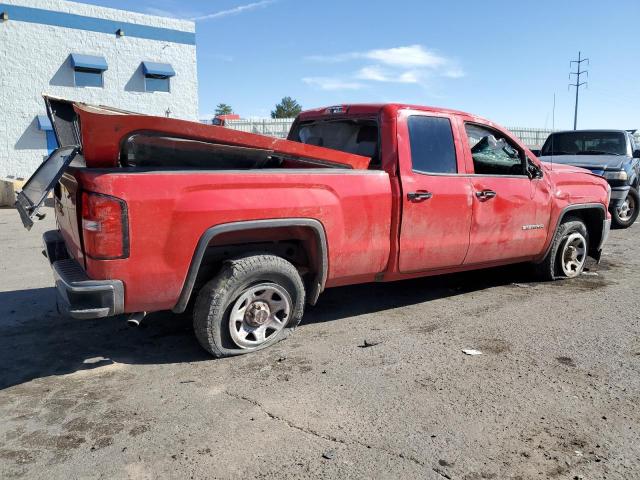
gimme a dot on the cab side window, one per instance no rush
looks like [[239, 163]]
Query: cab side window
[[432, 147], [492, 153]]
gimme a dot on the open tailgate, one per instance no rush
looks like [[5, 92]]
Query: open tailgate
[[65, 125], [37, 188]]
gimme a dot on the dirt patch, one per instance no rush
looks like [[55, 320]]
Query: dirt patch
[[568, 361], [18, 456], [428, 328], [494, 345]]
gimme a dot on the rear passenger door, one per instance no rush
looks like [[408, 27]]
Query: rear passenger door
[[436, 202], [508, 222]]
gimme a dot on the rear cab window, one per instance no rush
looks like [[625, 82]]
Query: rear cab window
[[357, 136], [432, 145]]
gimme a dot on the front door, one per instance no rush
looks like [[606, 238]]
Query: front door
[[436, 203], [507, 222]]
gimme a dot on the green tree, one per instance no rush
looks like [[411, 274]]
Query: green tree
[[223, 109], [287, 108]]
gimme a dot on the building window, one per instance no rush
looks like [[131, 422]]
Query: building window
[[153, 83], [88, 70], [88, 78], [157, 76]]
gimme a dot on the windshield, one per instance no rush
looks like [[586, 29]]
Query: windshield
[[585, 143], [352, 136]]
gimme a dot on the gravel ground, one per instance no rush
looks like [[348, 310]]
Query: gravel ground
[[554, 394]]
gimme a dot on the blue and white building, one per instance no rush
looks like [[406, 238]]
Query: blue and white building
[[81, 52]]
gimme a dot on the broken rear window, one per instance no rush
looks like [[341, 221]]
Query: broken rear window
[[359, 137]]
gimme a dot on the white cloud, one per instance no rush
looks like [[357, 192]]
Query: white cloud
[[410, 56], [375, 73], [331, 83], [234, 11], [407, 57], [410, 77], [411, 64], [454, 72]]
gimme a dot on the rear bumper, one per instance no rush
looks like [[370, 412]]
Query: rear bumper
[[78, 295]]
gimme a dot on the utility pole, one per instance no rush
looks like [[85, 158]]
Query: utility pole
[[578, 84]]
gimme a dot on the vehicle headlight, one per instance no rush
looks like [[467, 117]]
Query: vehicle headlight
[[616, 175]]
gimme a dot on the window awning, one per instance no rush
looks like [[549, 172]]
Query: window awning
[[44, 123], [89, 62], [159, 69]]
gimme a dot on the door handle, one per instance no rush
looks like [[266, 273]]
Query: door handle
[[486, 194], [419, 196]]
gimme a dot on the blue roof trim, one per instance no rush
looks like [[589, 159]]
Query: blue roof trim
[[161, 69], [44, 123], [90, 62], [101, 25]]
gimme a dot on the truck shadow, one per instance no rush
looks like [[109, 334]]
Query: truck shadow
[[37, 342]]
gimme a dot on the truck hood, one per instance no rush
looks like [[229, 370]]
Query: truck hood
[[590, 162], [558, 167]]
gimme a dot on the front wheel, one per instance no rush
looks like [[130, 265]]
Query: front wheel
[[568, 253], [627, 213], [254, 302]]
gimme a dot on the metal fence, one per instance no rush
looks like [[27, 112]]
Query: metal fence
[[531, 137], [279, 127], [273, 127]]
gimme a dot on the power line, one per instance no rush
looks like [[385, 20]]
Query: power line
[[578, 84]]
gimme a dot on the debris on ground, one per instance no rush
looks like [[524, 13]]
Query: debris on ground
[[590, 274], [521, 285], [329, 454], [471, 351], [369, 343]]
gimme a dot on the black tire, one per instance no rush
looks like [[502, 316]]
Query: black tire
[[550, 268], [627, 219], [216, 299]]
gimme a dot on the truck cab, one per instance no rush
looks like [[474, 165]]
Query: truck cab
[[469, 192]]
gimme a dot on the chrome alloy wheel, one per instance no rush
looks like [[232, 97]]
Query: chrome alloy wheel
[[627, 209], [258, 314], [574, 254]]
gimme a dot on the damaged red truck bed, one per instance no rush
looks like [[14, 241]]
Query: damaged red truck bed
[[162, 214]]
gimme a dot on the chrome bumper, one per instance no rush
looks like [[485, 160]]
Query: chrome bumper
[[606, 228]]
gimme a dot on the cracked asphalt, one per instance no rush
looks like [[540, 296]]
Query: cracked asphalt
[[553, 395]]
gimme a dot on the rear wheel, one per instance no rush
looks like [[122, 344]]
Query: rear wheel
[[568, 253], [627, 213], [254, 302]]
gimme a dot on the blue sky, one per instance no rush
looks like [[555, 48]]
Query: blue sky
[[499, 59]]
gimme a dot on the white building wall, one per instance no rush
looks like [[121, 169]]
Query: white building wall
[[35, 59]]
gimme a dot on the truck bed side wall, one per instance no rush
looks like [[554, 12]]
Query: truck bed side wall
[[170, 211]]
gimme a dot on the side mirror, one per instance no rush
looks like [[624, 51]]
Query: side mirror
[[636, 154], [533, 170]]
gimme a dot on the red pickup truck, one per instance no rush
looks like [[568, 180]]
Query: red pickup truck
[[156, 213]]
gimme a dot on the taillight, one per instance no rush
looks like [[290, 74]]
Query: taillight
[[105, 226]]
